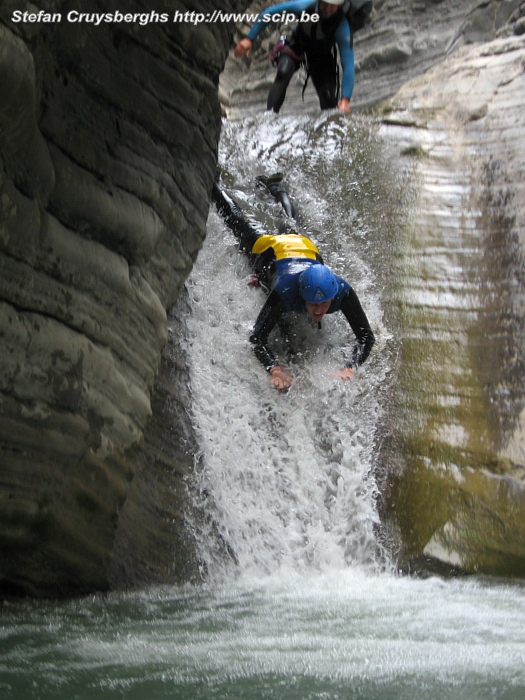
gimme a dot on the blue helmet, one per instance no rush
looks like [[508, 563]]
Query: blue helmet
[[317, 284]]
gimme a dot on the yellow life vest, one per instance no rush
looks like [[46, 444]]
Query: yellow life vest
[[290, 245]]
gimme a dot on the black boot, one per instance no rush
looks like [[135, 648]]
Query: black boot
[[273, 184]]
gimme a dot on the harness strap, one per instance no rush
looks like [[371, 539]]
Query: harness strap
[[283, 46]]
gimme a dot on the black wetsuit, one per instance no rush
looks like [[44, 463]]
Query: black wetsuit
[[278, 304], [273, 310]]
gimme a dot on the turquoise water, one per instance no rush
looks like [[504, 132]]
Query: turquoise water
[[346, 634]]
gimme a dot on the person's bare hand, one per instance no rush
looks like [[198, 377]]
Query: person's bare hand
[[344, 105], [243, 48], [280, 379]]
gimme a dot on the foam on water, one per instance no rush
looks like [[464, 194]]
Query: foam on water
[[288, 477], [346, 633]]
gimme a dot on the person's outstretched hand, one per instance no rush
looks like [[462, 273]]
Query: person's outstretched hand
[[344, 105], [243, 48], [280, 379]]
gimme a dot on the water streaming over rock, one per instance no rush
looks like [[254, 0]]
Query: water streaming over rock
[[301, 601], [288, 479]]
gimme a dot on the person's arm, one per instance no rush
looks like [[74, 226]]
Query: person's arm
[[263, 21], [269, 315], [344, 41], [356, 317]]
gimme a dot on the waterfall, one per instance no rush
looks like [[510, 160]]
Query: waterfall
[[287, 480]]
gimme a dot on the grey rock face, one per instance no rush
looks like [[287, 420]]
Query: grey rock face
[[458, 492], [107, 155]]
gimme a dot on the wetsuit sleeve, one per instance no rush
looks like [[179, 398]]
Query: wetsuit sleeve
[[343, 37], [269, 315], [356, 317], [264, 20]]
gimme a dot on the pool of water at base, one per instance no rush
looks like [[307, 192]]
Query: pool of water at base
[[347, 633]]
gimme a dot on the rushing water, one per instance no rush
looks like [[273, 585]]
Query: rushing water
[[342, 634], [301, 600]]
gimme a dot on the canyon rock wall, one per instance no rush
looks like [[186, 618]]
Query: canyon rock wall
[[456, 461], [107, 154]]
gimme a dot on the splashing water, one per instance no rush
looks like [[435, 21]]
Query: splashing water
[[287, 477], [300, 603]]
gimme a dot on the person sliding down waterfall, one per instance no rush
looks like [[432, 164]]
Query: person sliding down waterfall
[[312, 42], [290, 269]]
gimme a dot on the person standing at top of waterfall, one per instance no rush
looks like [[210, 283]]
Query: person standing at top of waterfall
[[312, 42], [290, 269]]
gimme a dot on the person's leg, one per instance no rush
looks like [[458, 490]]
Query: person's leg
[[286, 67], [323, 71], [235, 220], [275, 187]]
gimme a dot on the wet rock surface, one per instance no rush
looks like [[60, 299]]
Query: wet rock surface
[[107, 155], [459, 400]]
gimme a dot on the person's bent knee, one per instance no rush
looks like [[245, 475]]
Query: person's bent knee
[[327, 97], [286, 68]]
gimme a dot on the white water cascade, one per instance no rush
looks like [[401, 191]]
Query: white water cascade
[[286, 480]]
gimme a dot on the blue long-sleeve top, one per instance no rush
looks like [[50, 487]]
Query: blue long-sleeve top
[[343, 38]]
